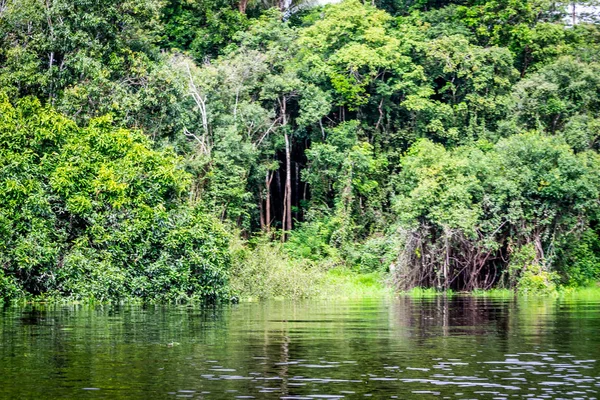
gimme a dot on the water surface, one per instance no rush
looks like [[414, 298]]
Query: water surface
[[459, 348]]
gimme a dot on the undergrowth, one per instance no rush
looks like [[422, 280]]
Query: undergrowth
[[262, 269]]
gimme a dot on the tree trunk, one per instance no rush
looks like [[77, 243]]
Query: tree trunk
[[446, 259], [287, 206], [261, 213], [268, 180], [297, 187], [278, 182], [242, 6]]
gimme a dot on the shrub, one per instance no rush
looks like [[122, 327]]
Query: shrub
[[581, 261], [95, 212], [264, 270], [536, 280], [8, 287]]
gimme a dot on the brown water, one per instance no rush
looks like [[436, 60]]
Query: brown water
[[459, 348]]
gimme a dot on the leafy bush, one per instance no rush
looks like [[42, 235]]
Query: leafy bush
[[536, 280], [529, 274], [96, 213], [468, 209], [264, 270], [8, 287], [375, 254], [580, 261], [311, 240]]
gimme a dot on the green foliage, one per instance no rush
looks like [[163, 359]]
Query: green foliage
[[510, 24], [9, 289], [346, 283], [526, 190], [472, 86], [453, 143], [536, 281], [343, 164], [311, 240], [346, 169], [354, 49], [374, 254], [95, 212], [583, 293], [493, 293], [522, 260], [580, 263], [442, 187], [201, 27], [91, 58], [548, 99], [263, 270], [528, 273]]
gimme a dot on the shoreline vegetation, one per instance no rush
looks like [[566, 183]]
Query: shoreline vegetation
[[340, 286], [169, 151], [591, 292], [337, 283]]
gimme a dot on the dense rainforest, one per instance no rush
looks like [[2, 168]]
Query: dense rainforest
[[181, 149]]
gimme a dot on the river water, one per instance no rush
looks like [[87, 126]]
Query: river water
[[456, 348]]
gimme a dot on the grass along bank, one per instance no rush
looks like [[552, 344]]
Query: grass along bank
[[265, 270], [590, 292]]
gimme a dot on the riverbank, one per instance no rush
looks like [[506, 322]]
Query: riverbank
[[591, 292], [335, 284], [338, 284], [267, 270]]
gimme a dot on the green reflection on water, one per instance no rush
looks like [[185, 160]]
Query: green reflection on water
[[459, 347]]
